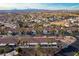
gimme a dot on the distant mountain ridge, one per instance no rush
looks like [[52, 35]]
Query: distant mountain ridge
[[35, 10], [25, 10]]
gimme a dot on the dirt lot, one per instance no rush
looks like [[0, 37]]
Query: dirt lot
[[62, 23]]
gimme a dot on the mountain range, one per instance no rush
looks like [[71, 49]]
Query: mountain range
[[35, 10]]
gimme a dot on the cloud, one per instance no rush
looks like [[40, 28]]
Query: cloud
[[74, 7], [20, 5], [51, 6]]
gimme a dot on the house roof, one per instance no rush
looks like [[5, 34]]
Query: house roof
[[36, 39], [8, 40]]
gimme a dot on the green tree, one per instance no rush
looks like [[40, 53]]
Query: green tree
[[76, 54], [19, 50], [38, 49], [2, 51], [61, 32]]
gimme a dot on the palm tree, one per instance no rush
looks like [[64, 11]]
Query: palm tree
[[18, 42]]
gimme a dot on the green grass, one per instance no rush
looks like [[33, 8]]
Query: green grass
[[76, 54], [5, 49]]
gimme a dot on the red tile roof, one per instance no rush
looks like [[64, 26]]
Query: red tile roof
[[8, 40]]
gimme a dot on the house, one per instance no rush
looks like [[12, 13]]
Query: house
[[34, 32], [45, 31], [45, 42], [31, 41]]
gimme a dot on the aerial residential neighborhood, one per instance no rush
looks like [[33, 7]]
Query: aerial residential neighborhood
[[39, 32]]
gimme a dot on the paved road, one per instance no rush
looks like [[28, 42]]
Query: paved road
[[69, 51]]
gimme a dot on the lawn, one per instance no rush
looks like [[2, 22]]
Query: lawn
[[5, 49]]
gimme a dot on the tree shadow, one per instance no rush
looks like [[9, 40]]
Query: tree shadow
[[70, 50], [67, 51]]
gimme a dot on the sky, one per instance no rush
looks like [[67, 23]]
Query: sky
[[48, 6]]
